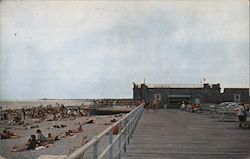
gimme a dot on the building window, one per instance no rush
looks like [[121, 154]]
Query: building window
[[237, 97], [158, 97]]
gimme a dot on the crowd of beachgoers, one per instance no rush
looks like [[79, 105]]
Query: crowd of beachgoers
[[45, 125], [42, 113]]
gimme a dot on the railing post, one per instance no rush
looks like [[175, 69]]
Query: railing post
[[134, 122], [126, 133], [95, 150], [129, 129], [119, 140], [132, 125], [110, 143], [125, 146]]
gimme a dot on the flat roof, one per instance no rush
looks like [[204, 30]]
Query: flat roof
[[150, 85]]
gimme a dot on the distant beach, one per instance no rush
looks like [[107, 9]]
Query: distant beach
[[18, 104]]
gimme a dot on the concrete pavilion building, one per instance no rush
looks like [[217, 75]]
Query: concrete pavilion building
[[174, 95]]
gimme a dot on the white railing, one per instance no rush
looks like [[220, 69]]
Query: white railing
[[116, 141]]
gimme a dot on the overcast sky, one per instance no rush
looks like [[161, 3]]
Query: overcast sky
[[80, 49]]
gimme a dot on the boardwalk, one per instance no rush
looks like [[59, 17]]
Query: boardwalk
[[177, 134]]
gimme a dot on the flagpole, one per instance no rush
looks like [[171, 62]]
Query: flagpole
[[202, 81]]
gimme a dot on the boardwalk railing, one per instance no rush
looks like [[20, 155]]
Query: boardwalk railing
[[119, 135]]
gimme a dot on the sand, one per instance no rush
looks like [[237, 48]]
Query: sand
[[61, 147], [18, 104]]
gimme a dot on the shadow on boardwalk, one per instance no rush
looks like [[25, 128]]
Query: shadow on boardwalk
[[179, 134]]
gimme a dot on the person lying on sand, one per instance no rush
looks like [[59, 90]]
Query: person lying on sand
[[64, 135], [8, 135], [77, 130], [69, 133], [113, 120], [91, 121], [60, 126]]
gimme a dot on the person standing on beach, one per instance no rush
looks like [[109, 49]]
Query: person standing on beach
[[23, 111]]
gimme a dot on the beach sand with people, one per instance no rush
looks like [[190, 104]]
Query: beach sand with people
[[92, 126], [17, 104]]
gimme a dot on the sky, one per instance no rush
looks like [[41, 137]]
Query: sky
[[83, 49]]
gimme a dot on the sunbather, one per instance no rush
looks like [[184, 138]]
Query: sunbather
[[31, 145], [8, 135], [78, 130], [50, 139], [41, 139]]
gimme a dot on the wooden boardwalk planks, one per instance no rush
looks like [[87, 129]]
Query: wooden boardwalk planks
[[179, 134]]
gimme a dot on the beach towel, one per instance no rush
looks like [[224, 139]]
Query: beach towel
[[15, 137], [40, 148]]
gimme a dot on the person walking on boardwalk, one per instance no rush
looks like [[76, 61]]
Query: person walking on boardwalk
[[165, 106], [147, 106], [183, 106], [241, 115], [245, 112], [154, 105]]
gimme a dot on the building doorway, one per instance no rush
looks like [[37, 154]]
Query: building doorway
[[175, 101]]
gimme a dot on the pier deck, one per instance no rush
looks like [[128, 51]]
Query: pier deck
[[179, 134]]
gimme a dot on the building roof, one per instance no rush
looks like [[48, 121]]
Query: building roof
[[150, 85]]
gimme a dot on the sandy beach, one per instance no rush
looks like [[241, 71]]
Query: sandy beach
[[17, 104], [63, 146]]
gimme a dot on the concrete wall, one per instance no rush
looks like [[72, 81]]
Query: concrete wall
[[230, 93], [207, 94]]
